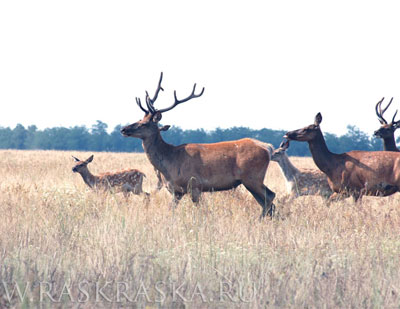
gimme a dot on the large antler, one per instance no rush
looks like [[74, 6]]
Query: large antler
[[150, 102], [380, 112], [191, 96]]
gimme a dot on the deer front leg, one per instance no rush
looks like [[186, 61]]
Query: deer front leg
[[159, 179], [176, 197], [195, 195], [193, 187], [126, 188]]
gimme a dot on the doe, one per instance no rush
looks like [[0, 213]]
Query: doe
[[354, 173]]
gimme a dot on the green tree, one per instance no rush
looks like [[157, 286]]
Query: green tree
[[19, 137], [99, 140]]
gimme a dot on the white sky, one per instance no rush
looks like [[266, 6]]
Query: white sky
[[264, 64]]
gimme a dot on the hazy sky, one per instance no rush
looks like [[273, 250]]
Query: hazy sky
[[264, 64]]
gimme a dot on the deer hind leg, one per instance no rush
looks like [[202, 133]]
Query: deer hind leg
[[264, 197], [137, 189]]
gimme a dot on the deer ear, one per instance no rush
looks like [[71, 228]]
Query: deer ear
[[284, 145], [318, 119], [157, 117], [164, 128], [76, 159], [90, 159]]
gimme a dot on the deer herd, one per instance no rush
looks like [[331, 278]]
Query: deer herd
[[197, 168]]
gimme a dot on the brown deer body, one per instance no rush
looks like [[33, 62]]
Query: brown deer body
[[300, 182], [196, 168], [386, 131], [354, 173], [129, 180]]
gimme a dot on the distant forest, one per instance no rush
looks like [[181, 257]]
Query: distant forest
[[97, 138]]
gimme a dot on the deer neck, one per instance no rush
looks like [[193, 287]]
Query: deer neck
[[158, 152], [323, 158], [389, 144], [288, 169], [88, 177]]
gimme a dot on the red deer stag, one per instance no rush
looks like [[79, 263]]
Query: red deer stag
[[386, 131], [354, 173], [126, 181], [197, 168], [302, 181]]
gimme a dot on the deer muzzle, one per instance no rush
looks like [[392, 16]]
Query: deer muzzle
[[377, 133]]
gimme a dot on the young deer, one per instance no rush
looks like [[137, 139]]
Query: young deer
[[197, 168], [303, 181], [386, 131], [126, 181], [354, 173]]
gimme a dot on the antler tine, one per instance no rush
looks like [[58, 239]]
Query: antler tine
[[158, 89], [390, 102], [141, 107], [191, 96], [394, 116], [149, 104], [379, 113]]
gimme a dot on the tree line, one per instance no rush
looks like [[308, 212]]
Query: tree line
[[97, 138]]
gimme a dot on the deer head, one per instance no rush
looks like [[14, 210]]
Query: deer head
[[387, 129], [80, 165], [148, 126], [307, 133], [280, 152]]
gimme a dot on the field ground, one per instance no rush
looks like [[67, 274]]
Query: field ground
[[67, 246]]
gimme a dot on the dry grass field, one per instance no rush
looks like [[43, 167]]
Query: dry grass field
[[63, 245]]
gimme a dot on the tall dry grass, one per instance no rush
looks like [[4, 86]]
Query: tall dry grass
[[72, 247]]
